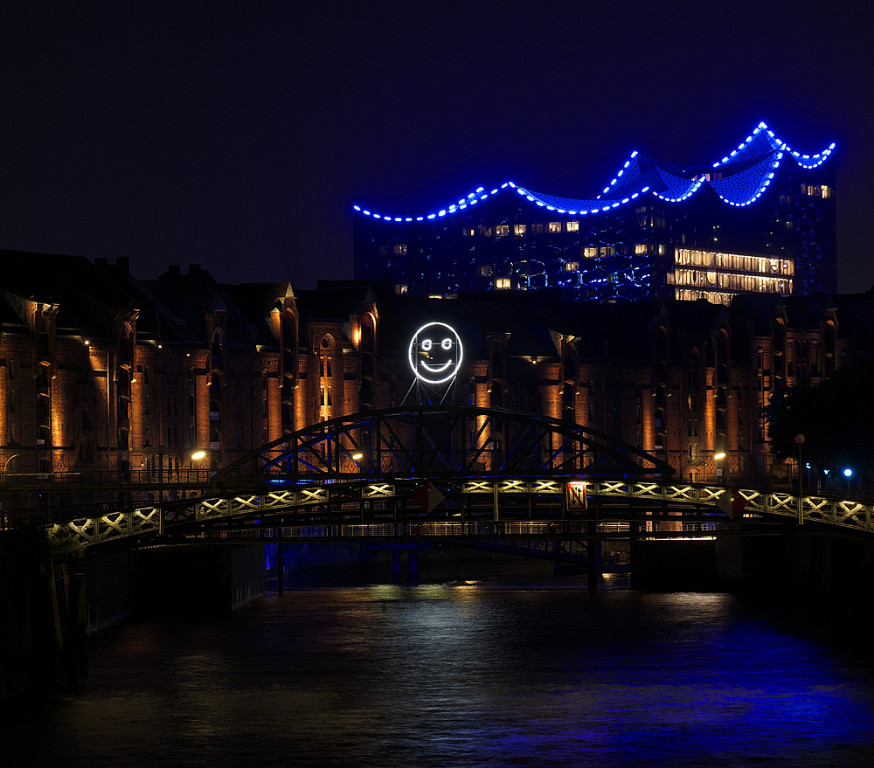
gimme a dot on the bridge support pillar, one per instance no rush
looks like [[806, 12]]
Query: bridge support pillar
[[555, 545], [396, 565], [593, 566], [279, 569], [413, 565], [412, 553]]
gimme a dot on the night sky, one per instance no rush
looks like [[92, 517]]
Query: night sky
[[238, 135]]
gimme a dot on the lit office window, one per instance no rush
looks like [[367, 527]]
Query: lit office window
[[572, 266], [573, 226], [816, 190], [502, 229], [555, 226], [640, 248], [401, 249], [502, 284], [519, 230], [590, 252]]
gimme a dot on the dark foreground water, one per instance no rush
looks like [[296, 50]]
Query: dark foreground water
[[460, 675]]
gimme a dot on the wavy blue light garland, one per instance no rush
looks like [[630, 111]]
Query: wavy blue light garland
[[640, 175]]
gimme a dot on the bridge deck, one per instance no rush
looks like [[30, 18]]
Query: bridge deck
[[613, 508]]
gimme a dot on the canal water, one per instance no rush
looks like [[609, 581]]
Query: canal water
[[460, 674]]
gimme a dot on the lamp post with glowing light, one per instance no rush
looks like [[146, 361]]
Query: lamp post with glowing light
[[358, 457], [720, 470], [799, 441], [364, 463], [848, 473], [198, 455]]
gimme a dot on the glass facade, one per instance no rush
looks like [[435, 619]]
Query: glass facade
[[759, 220]]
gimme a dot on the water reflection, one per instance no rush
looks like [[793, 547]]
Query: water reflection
[[464, 675]]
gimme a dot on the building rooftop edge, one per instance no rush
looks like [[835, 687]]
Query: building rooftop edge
[[739, 178]]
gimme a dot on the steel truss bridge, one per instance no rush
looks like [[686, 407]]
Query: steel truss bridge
[[452, 473]]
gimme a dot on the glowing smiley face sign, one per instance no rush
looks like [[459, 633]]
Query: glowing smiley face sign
[[435, 353]]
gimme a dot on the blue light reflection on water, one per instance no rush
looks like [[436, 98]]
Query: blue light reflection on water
[[465, 676]]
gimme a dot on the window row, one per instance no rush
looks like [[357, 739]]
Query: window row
[[520, 230], [700, 278], [760, 265], [816, 190]]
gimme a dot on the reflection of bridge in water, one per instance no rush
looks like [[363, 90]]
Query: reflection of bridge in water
[[457, 474]]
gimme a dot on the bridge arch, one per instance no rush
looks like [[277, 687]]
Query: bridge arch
[[441, 441]]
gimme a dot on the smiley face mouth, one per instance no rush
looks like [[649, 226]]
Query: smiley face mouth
[[435, 368]]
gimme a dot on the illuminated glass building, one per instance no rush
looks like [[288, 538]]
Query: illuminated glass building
[[760, 220]]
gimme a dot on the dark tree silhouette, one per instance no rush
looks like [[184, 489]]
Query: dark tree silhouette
[[836, 419]]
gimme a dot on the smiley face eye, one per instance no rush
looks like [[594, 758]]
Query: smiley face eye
[[426, 345], [446, 343]]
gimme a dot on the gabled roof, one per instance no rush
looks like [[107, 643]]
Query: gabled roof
[[87, 300]]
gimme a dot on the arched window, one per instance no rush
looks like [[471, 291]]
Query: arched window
[[217, 350]]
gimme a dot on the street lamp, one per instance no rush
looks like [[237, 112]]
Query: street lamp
[[799, 441], [197, 455], [848, 473], [720, 471], [358, 458]]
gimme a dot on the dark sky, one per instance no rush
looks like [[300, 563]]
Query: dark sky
[[238, 135]]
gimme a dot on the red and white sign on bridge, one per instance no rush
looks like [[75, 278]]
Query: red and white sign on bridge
[[575, 495]]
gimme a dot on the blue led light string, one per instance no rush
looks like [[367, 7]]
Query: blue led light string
[[630, 170], [676, 187], [760, 142], [738, 186], [746, 187], [811, 161]]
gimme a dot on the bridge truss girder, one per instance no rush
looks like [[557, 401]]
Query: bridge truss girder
[[440, 442], [508, 501]]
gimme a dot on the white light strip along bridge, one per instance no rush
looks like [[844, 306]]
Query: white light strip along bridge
[[522, 507], [490, 471]]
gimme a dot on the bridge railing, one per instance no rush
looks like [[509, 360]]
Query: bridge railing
[[657, 507], [152, 477], [407, 530]]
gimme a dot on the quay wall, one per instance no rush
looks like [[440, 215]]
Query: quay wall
[[822, 578]]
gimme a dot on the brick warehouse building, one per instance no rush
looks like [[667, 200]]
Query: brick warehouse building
[[105, 375], [760, 220]]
